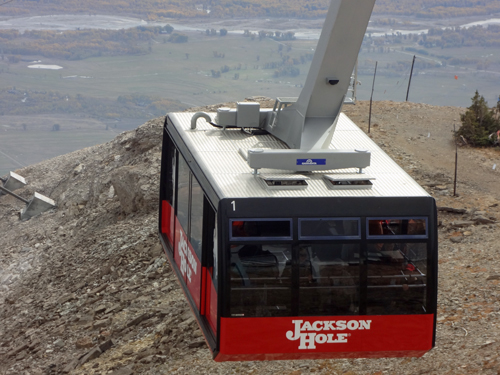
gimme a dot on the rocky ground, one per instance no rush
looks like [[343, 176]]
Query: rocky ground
[[85, 289]]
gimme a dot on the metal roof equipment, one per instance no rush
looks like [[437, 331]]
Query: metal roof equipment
[[34, 206]]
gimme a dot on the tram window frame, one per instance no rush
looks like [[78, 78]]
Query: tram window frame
[[182, 165], [397, 292], [260, 238], [320, 276], [196, 204], [242, 298], [332, 237], [171, 172], [183, 196], [396, 236]]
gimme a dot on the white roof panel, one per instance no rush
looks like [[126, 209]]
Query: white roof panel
[[216, 151]]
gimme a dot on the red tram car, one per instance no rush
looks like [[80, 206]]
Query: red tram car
[[289, 251]]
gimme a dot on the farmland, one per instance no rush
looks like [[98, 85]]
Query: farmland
[[91, 99]]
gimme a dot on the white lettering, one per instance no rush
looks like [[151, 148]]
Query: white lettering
[[306, 327], [290, 334], [187, 257], [341, 325], [342, 337], [364, 324], [316, 325], [329, 325], [352, 325], [308, 340], [321, 338]]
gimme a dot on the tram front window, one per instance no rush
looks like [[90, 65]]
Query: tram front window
[[260, 280], [397, 278], [329, 279]]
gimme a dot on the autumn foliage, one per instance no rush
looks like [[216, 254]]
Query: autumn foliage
[[154, 9]]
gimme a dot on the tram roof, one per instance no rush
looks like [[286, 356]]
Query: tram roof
[[217, 153]]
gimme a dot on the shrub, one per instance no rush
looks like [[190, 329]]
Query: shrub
[[479, 122]]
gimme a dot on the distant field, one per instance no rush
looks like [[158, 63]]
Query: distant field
[[167, 71], [184, 72], [19, 148]]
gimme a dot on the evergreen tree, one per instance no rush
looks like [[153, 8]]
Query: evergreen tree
[[478, 122]]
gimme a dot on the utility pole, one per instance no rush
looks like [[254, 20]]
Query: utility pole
[[371, 98], [456, 162], [409, 82]]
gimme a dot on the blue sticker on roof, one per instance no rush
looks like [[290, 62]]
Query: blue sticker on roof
[[311, 161]]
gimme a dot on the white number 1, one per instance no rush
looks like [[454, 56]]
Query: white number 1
[[234, 205]]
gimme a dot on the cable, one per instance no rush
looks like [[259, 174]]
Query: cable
[[10, 1]]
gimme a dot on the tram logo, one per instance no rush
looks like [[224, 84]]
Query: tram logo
[[188, 261], [311, 161], [307, 332]]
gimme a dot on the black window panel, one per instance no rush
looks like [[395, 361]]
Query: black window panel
[[397, 227], [196, 233], [335, 228], [329, 279], [183, 191], [397, 278], [169, 185], [260, 229], [260, 280]]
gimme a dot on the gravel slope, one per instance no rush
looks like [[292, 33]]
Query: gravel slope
[[85, 289]]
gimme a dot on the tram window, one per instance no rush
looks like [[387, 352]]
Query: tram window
[[196, 217], [259, 229], [183, 194], [329, 228], [397, 278], [260, 280], [329, 279], [170, 175], [397, 227]]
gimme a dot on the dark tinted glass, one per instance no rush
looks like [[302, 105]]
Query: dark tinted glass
[[183, 195], [397, 278], [329, 279], [261, 228], [397, 227], [260, 280], [196, 217], [329, 228]]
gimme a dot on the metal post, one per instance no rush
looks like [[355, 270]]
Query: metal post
[[14, 195], [409, 82], [371, 98], [456, 163]]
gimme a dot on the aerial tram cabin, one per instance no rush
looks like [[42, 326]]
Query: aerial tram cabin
[[299, 244]]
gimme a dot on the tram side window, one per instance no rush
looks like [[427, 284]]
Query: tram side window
[[329, 228], [397, 269], [170, 175], [260, 280], [196, 233], [190, 206], [397, 227], [329, 278], [261, 228], [183, 194]]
